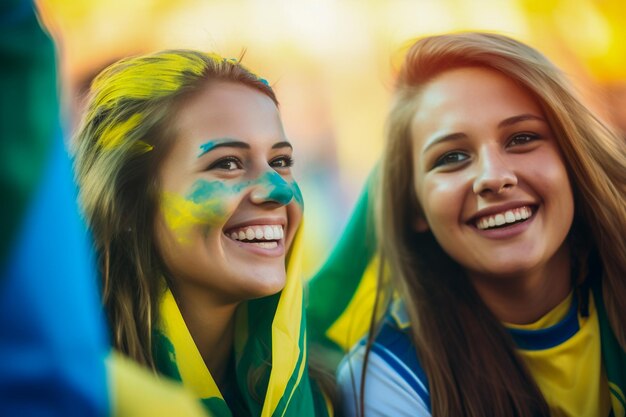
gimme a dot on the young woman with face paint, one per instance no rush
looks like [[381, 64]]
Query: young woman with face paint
[[185, 179], [502, 220]]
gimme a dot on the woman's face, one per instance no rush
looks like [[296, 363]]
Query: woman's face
[[489, 175], [229, 207]]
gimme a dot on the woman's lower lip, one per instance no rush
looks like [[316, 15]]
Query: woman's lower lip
[[507, 232], [278, 250]]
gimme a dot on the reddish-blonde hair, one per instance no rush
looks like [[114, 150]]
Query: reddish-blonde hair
[[469, 358]]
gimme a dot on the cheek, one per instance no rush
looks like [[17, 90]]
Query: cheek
[[294, 215], [295, 211], [442, 202], [171, 246], [556, 190], [208, 204], [553, 182], [297, 195]]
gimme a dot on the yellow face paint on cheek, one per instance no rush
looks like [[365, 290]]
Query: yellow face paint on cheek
[[205, 206]]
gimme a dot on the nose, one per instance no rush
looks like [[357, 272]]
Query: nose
[[494, 176], [272, 188]]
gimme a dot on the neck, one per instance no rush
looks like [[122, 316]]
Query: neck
[[525, 297], [211, 326]]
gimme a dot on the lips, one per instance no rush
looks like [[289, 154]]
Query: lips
[[505, 217]]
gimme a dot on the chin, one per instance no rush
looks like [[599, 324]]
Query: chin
[[267, 285], [506, 270]]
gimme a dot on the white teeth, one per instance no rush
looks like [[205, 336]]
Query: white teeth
[[525, 213], [270, 233], [509, 216]]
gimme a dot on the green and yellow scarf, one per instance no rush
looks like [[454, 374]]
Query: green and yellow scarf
[[270, 340]]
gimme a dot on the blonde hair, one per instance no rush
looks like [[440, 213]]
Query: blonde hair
[[126, 131], [469, 359]]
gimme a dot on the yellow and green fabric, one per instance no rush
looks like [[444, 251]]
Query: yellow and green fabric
[[134, 391], [566, 354], [270, 340], [614, 359], [341, 294]]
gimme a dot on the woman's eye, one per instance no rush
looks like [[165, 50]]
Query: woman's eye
[[282, 162], [450, 158], [522, 139], [227, 164]]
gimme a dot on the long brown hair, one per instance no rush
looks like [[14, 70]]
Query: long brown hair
[[469, 358], [122, 139]]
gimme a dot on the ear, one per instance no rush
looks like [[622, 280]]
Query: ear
[[420, 224]]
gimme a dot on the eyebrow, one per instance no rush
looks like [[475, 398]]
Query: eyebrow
[[233, 143], [504, 123], [521, 118], [220, 143], [444, 138], [283, 144]]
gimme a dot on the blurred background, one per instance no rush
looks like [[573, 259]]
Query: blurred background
[[331, 63]]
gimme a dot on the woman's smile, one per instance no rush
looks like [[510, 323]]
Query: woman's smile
[[503, 217], [260, 237]]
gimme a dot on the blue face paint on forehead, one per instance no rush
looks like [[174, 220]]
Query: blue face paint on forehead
[[212, 144]]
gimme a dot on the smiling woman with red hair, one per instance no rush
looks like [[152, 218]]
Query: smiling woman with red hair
[[502, 220]]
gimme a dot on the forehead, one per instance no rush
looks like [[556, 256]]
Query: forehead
[[471, 96], [227, 109]]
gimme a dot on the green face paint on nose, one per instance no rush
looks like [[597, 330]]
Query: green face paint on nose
[[277, 188]]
